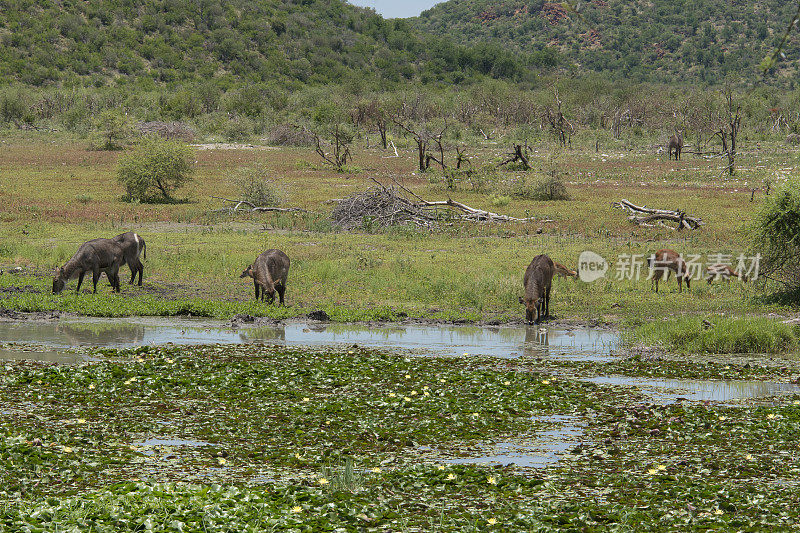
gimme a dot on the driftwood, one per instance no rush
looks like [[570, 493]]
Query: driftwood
[[645, 216], [397, 205], [249, 206]]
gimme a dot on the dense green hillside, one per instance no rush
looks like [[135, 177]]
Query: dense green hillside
[[659, 40], [156, 42]]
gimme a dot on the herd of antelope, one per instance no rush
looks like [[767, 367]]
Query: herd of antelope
[[271, 268]]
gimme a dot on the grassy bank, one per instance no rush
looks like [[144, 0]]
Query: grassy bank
[[459, 271], [718, 335]]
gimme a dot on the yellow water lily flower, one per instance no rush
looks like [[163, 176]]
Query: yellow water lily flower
[[81, 421], [749, 457], [406, 398], [392, 395], [661, 467], [506, 382], [306, 399], [221, 461], [491, 480], [66, 449], [296, 509], [491, 521], [91, 386], [451, 476], [297, 456], [376, 470], [718, 512], [771, 416], [545, 382], [723, 418], [408, 376], [322, 481], [652, 471], [440, 467]]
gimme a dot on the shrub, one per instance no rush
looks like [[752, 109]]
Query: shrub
[[546, 188], [255, 186], [113, 129], [776, 234], [155, 169]]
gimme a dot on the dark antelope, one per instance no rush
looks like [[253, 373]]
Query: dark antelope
[[675, 144], [95, 256], [269, 272], [723, 271], [664, 261], [132, 247], [538, 281]]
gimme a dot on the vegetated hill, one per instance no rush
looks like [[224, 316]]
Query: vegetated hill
[[657, 40], [291, 42]]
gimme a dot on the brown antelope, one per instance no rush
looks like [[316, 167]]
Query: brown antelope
[[95, 256], [269, 272], [675, 144], [538, 280], [723, 271], [132, 246], [664, 261], [564, 272]]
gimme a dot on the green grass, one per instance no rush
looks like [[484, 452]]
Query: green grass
[[718, 335]]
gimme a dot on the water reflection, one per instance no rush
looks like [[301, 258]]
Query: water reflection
[[507, 342], [664, 391]]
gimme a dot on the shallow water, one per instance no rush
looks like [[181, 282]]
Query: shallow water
[[664, 391], [543, 449], [507, 342], [46, 356]]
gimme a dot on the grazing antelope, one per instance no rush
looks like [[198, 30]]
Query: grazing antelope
[[269, 272], [675, 145], [538, 280], [564, 272], [95, 256], [132, 246], [664, 261], [723, 271]]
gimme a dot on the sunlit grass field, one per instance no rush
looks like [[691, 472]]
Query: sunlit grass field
[[56, 194]]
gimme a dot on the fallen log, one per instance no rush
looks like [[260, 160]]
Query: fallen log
[[649, 217], [254, 208]]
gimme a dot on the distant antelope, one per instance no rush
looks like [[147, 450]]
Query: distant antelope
[[675, 145], [269, 272], [95, 256], [664, 261], [538, 280], [564, 272], [724, 272], [132, 246]]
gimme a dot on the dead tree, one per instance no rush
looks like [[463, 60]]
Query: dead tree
[[518, 153], [559, 125], [461, 156], [423, 137], [729, 130]]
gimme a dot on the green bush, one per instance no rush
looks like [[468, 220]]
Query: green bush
[[113, 129], [155, 169], [255, 186], [550, 187], [776, 234]]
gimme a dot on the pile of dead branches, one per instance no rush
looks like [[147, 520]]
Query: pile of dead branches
[[648, 217], [167, 130], [384, 206], [396, 205]]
